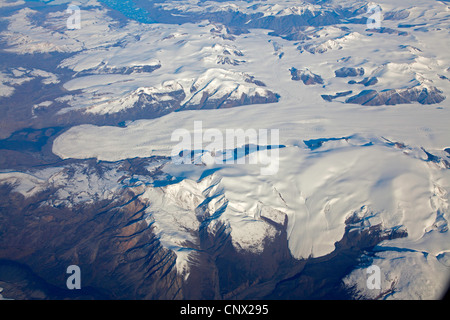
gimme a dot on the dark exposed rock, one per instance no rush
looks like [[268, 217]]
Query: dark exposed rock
[[366, 81], [388, 31], [396, 15], [228, 60], [118, 254], [225, 102], [421, 94], [321, 48], [294, 33], [330, 98], [105, 69], [296, 36], [349, 72], [251, 79], [237, 30], [411, 48], [438, 160], [448, 151], [366, 97], [306, 76], [407, 25], [314, 144]]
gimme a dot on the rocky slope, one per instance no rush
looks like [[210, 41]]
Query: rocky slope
[[420, 94], [306, 76], [118, 242]]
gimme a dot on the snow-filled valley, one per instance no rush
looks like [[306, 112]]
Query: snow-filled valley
[[363, 150]]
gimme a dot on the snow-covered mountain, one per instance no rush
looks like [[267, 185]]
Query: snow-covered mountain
[[87, 175]]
